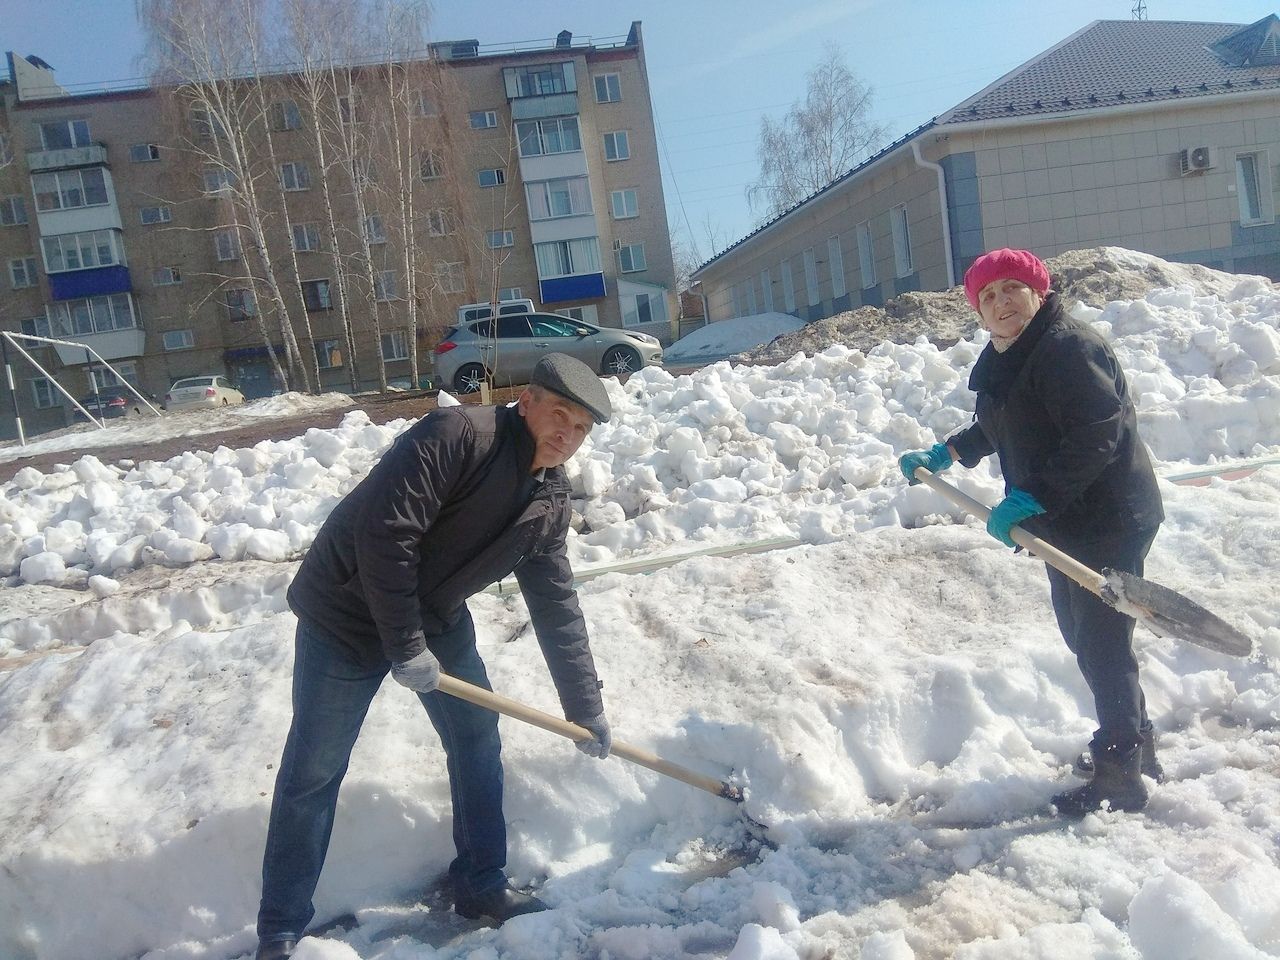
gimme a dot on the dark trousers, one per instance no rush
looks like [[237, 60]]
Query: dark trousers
[[332, 691], [1102, 640]]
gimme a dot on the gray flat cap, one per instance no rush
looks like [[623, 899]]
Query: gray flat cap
[[574, 380]]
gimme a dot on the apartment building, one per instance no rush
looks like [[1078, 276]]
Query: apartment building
[[1159, 136], [124, 223]]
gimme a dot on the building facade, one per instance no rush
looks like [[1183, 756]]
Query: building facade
[[177, 240], [1160, 137]]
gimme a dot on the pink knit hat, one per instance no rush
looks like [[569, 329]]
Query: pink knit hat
[[1005, 264]]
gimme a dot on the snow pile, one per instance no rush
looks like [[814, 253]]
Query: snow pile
[[716, 341], [806, 448], [896, 702], [1091, 277], [148, 428]]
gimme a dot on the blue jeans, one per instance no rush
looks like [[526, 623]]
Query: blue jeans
[[332, 690]]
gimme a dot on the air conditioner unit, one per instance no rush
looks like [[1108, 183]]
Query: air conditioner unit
[[1197, 160]]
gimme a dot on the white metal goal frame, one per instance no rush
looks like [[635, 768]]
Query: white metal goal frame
[[9, 339]]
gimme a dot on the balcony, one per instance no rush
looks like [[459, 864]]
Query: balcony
[[583, 286], [110, 345], [67, 159], [93, 282]]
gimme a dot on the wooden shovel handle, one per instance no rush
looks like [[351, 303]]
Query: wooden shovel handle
[[519, 711], [1087, 577]]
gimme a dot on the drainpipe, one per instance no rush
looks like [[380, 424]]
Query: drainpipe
[[942, 204]]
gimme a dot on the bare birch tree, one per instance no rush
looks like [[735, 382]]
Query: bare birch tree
[[820, 138]]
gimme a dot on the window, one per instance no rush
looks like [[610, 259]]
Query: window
[[554, 135], [541, 80], [1253, 189], [616, 146], [567, 258], [68, 189], [64, 134], [788, 287], [585, 313], [295, 175], [374, 230], [205, 126], [37, 327], [385, 285], [166, 276], [441, 223], [285, 115], [567, 197], [144, 152], [835, 262], [492, 177], [346, 110], [624, 204], [866, 255], [104, 378], [155, 214], [218, 179], [631, 257], [328, 354], [811, 277], [22, 272], [638, 308], [430, 167], [482, 119], [13, 211], [315, 294], [43, 395], [77, 318], [452, 277], [241, 304], [395, 346], [901, 241], [227, 245], [608, 88], [6, 149], [306, 237], [81, 251], [179, 339], [501, 238], [422, 105], [509, 293]]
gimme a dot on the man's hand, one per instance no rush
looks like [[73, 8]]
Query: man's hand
[[421, 673], [936, 459], [1011, 511], [603, 742]]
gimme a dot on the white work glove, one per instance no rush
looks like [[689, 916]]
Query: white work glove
[[603, 742], [420, 673]]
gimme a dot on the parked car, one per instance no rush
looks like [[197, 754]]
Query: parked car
[[110, 403], [213, 391], [479, 311], [470, 351]]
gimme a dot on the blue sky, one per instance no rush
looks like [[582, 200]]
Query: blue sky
[[715, 66]]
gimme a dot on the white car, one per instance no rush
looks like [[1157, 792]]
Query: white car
[[193, 392]]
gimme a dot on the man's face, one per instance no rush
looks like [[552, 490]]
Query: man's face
[[558, 426], [1007, 306]]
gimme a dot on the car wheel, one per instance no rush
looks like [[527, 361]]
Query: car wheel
[[469, 378], [620, 360]]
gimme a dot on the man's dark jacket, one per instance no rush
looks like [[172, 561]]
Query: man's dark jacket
[[449, 509], [1055, 406]]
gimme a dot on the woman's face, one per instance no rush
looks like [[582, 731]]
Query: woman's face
[[1007, 306]]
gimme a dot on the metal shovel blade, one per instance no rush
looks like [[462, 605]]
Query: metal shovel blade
[[1168, 613]]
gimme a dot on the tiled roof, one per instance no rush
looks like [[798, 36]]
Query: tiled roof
[[1115, 62]]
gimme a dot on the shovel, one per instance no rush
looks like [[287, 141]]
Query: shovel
[[519, 711], [1164, 612]]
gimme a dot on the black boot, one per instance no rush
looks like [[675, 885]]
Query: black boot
[[501, 904], [1117, 783], [275, 950], [1150, 765]]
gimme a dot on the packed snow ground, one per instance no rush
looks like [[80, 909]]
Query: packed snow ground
[[889, 692]]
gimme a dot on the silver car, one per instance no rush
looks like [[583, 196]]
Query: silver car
[[471, 351]]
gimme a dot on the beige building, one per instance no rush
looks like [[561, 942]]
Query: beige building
[[1162, 137], [126, 222]]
